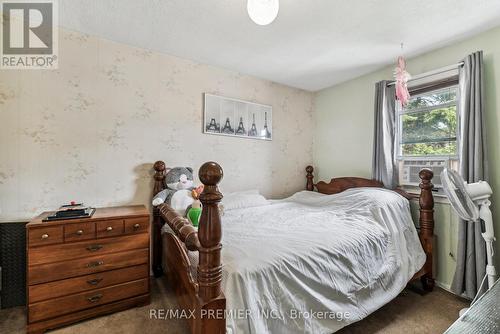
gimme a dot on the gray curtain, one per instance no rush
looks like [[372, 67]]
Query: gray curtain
[[384, 168], [471, 252]]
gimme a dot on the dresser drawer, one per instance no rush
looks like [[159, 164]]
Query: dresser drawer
[[136, 225], [74, 250], [78, 232], [109, 228], [84, 266], [63, 305], [45, 235], [70, 286]]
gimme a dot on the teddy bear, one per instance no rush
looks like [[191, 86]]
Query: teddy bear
[[178, 187]]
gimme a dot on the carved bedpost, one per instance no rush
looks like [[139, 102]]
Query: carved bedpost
[[310, 178], [210, 233], [211, 298], [158, 186], [426, 202]]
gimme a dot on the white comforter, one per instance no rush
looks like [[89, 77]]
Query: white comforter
[[315, 263]]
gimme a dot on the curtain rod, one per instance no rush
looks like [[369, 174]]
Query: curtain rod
[[431, 73]]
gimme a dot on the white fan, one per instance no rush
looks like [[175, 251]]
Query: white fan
[[471, 202]]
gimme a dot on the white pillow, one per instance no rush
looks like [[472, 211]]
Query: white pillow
[[242, 192], [241, 200]]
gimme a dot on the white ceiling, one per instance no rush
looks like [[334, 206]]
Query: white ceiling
[[312, 44]]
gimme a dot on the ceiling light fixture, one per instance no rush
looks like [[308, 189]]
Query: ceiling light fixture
[[263, 12]]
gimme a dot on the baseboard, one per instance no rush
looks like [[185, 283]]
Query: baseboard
[[444, 286], [447, 288]]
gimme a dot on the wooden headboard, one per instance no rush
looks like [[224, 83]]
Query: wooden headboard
[[340, 184]]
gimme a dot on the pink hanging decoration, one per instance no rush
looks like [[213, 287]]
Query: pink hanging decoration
[[402, 77]]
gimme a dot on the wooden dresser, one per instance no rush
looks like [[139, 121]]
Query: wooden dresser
[[81, 268]]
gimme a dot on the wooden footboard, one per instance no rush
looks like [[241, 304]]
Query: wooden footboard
[[426, 202], [198, 290]]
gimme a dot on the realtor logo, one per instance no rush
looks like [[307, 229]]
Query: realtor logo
[[29, 34]]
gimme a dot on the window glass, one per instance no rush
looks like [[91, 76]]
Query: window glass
[[428, 124]]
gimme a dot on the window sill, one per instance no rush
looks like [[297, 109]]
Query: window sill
[[438, 198]]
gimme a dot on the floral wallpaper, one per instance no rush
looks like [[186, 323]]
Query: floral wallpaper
[[91, 130]]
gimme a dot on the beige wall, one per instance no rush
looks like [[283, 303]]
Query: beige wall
[[91, 130], [344, 131]]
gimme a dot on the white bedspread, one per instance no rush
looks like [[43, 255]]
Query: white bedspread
[[340, 256]]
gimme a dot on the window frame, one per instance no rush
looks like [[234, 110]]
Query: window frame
[[422, 91]]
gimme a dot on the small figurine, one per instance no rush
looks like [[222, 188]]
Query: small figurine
[[194, 213]]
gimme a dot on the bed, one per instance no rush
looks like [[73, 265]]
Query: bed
[[342, 252]]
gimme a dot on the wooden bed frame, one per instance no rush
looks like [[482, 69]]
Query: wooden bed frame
[[199, 291]]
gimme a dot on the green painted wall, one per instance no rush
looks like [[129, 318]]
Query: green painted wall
[[344, 132]]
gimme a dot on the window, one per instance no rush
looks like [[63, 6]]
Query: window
[[429, 125], [427, 134]]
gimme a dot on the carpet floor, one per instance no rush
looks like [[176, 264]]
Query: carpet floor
[[408, 313]]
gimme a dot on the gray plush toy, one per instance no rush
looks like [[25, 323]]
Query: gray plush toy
[[178, 183]]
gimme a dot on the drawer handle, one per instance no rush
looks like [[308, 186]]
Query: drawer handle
[[45, 236], [136, 226], [95, 264], [109, 228], [94, 281], [79, 232], [94, 248], [95, 298]]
